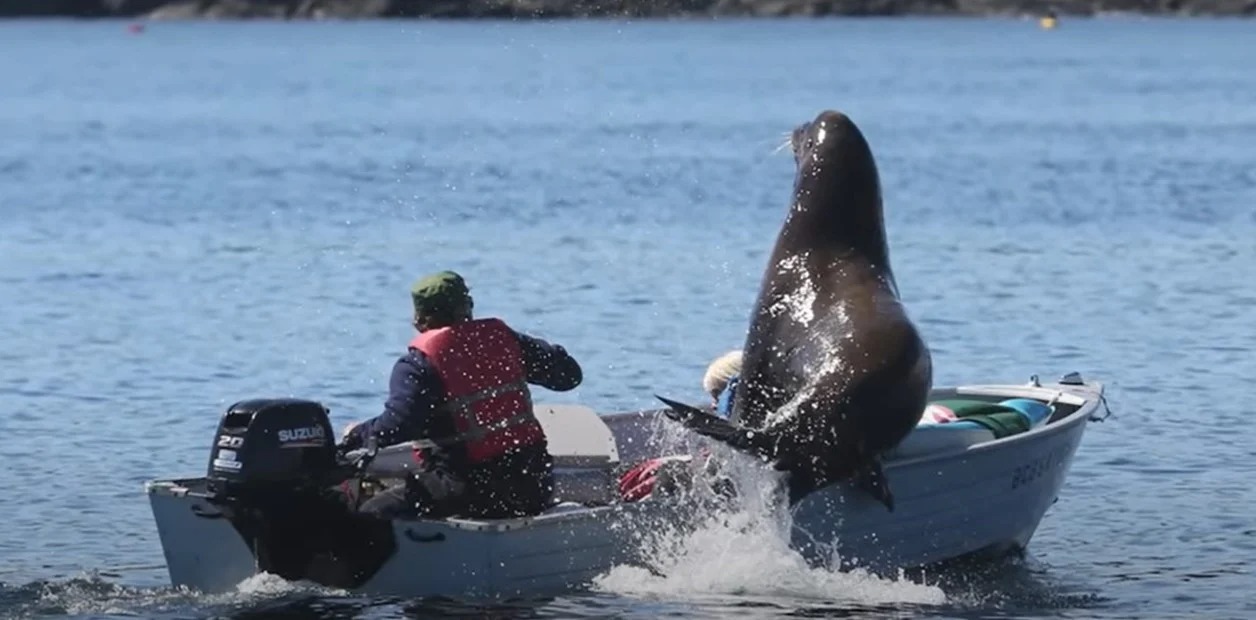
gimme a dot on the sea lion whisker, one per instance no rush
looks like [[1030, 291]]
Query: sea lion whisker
[[787, 142]]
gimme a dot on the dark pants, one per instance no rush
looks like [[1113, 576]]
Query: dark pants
[[515, 485]]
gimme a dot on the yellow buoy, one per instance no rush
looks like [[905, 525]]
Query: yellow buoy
[[1047, 22]]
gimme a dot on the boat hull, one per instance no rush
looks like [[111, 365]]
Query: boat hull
[[981, 500], [470, 559], [952, 503]]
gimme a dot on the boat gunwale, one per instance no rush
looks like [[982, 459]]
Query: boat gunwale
[[1086, 397], [180, 487], [1090, 397]]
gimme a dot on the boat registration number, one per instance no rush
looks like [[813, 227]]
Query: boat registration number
[[1027, 473]]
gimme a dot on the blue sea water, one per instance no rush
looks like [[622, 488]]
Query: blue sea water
[[207, 212]]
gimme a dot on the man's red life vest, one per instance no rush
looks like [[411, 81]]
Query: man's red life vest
[[481, 366]]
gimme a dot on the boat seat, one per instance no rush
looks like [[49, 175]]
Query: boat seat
[[584, 451], [577, 436]]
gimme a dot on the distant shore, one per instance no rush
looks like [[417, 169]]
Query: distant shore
[[558, 9]]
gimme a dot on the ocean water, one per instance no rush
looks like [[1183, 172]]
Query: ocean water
[[207, 212]]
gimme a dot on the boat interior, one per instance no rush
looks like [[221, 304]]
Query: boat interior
[[592, 451]]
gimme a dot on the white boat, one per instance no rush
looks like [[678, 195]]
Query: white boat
[[957, 494]]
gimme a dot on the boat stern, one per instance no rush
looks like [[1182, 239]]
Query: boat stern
[[203, 550]]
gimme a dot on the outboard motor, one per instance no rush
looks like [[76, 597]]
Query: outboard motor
[[274, 471], [266, 445]]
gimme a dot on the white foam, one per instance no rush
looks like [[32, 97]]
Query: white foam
[[267, 585], [91, 595], [745, 552]]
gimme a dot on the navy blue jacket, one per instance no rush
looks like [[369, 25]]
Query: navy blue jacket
[[415, 391]]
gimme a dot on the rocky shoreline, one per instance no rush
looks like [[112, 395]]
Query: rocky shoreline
[[555, 9]]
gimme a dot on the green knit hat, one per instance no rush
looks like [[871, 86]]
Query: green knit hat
[[444, 292]]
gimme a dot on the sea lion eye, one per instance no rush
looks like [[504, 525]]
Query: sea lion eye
[[810, 143]]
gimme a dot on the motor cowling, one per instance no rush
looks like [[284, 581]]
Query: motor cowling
[[272, 442], [273, 473]]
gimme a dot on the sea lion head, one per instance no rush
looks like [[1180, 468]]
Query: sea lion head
[[831, 139], [837, 189]]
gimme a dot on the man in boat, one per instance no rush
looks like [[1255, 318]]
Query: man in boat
[[461, 390]]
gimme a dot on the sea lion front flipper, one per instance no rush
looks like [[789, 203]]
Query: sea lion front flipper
[[872, 480], [710, 425]]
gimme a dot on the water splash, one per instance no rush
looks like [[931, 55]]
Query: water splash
[[741, 548], [267, 585], [91, 595], [821, 369], [798, 304], [717, 546]]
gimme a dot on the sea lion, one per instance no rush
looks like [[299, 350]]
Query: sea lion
[[835, 372]]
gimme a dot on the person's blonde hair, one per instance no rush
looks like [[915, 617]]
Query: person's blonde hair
[[720, 371]]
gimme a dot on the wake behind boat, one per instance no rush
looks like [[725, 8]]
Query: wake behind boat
[[264, 507]]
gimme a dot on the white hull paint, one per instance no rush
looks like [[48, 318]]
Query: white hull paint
[[952, 503]]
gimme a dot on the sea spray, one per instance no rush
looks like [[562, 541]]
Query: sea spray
[[715, 544], [92, 595]]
